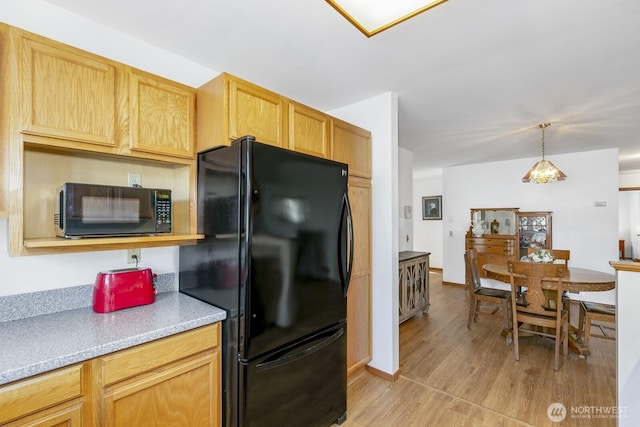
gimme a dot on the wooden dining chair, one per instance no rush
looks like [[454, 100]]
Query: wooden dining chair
[[537, 309], [497, 298], [590, 311], [558, 254]]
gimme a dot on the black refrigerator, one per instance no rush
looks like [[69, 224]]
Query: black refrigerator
[[277, 256]]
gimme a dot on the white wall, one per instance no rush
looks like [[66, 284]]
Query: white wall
[[630, 179], [405, 198], [590, 232], [36, 273], [428, 234], [51, 21], [629, 227], [380, 116]]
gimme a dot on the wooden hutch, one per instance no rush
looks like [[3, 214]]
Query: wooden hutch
[[503, 234]]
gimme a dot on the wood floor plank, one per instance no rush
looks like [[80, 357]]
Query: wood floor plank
[[452, 376]]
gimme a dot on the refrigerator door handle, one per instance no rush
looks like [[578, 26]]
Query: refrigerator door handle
[[345, 273], [279, 361]]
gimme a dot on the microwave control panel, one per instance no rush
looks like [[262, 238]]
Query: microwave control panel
[[163, 210]]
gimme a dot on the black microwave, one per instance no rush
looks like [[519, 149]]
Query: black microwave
[[91, 210]]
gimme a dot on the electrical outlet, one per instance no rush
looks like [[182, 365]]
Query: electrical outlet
[[134, 180], [133, 256]]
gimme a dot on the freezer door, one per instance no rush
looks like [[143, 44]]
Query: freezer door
[[301, 385], [297, 276], [210, 270]]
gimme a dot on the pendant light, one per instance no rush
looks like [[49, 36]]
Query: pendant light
[[544, 172]]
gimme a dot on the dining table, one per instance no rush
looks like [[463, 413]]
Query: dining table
[[577, 279]]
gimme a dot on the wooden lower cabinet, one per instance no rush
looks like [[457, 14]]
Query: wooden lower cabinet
[[181, 394], [56, 398], [69, 415], [171, 381], [358, 324], [413, 284]]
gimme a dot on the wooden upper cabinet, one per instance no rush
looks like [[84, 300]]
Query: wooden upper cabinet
[[352, 145], [309, 131], [78, 100], [230, 108], [162, 116], [256, 111], [8, 97], [67, 115], [67, 93]]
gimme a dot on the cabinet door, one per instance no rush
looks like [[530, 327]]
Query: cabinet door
[[359, 350], [185, 393], [309, 131], [49, 399], [360, 198], [8, 97], [162, 116], [68, 415], [171, 381], [67, 93], [256, 111], [352, 145], [534, 231]]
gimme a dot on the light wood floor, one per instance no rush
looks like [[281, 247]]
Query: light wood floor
[[453, 376]]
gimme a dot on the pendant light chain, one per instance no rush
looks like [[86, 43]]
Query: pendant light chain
[[542, 126]]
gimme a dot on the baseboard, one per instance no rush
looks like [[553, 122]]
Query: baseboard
[[460, 285], [384, 375], [355, 374]]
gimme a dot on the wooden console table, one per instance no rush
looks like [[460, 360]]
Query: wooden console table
[[413, 283]]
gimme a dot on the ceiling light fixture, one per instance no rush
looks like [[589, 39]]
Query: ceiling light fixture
[[544, 172], [374, 16]]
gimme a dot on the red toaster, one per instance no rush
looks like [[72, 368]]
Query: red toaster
[[118, 289]]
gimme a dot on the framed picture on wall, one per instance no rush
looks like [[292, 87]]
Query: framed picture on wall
[[432, 207]]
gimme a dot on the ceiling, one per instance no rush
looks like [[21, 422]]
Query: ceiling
[[473, 78]]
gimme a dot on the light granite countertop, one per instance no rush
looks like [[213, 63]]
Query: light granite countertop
[[38, 344]]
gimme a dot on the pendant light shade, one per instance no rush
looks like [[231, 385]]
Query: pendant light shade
[[544, 172]]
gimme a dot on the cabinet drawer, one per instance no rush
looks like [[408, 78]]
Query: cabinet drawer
[[40, 392], [490, 258], [474, 242], [133, 361], [503, 249]]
